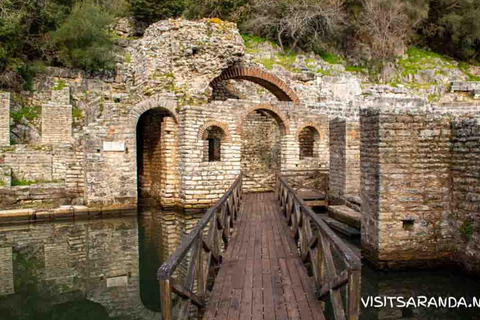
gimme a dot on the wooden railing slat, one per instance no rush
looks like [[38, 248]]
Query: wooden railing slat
[[203, 247]]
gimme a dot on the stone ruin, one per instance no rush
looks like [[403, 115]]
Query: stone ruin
[[188, 109]]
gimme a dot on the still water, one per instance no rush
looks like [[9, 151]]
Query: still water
[[105, 269]]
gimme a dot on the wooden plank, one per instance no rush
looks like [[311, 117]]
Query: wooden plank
[[260, 273]]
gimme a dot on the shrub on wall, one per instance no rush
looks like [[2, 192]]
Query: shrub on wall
[[83, 40]]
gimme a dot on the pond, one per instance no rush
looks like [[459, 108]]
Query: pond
[[106, 269]]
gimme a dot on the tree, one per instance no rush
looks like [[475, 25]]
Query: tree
[[387, 26], [307, 24], [150, 11], [82, 40], [231, 10], [453, 28]]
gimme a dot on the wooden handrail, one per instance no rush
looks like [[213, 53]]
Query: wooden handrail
[[202, 248], [316, 241]]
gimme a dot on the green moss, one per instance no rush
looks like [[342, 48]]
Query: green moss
[[128, 58], [465, 68], [433, 97], [59, 85], [2, 183], [23, 182], [356, 69], [466, 229], [417, 59], [77, 114], [29, 113], [331, 58], [284, 60]]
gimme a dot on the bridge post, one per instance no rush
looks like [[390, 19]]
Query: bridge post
[[165, 299], [354, 295]]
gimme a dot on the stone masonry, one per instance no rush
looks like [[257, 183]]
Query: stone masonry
[[57, 118], [414, 164], [344, 160], [405, 186], [5, 102]]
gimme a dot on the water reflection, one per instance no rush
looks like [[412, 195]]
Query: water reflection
[[74, 270], [106, 269]]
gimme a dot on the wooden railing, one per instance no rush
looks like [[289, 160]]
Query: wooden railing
[[308, 178], [334, 265], [203, 245]]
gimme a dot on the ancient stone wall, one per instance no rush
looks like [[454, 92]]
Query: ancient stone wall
[[57, 118], [5, 103], [261, 150], [98, 259], [352, 158], [465, 191], [337, 178], [405, 187], [344, 177]]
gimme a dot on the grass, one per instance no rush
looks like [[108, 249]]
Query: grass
[[29, 113], [331, 58], [77, 114], [466, 229], [59, 85], [419, 59], [284, 60], [356, 69], [465, 68], [23, 182]]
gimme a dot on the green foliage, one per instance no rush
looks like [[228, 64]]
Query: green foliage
[[23, 182], [150, 11], [417, 59], [29, 113], [331, 58], [465, 68], [82, 41], [453, 27], [59, 85], [466, 229], [230, 10]]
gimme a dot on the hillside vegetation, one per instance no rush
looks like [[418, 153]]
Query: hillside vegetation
[[369, 34]]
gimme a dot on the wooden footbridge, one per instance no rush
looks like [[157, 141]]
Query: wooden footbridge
[[260, 256]]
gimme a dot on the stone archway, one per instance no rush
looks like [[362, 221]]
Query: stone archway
[[156, 154], [262, 131], [265, 79]]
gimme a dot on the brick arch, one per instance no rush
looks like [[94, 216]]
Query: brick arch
[[307, 125], [167, 104], [222, 125], [273, 111], [265, 79]]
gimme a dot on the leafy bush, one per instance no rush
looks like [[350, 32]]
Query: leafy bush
[[453, 28], [150, 11], [232, 10], [83, 41]]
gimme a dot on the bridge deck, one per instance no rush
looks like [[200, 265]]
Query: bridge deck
[[262, 276]]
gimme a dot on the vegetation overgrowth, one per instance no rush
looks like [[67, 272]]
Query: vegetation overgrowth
[[77, 33]]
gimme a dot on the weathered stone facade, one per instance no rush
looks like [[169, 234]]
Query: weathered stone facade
[[5, 103], [57, 118], [344, 160], [419, 173], [188, 109]]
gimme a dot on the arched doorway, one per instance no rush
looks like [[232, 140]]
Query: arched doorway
[[157, 158], [261, 152]]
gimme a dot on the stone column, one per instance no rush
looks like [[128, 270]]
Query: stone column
[[169, 175], [405, 162], [57, 118], [5, 103], [344, 160]]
